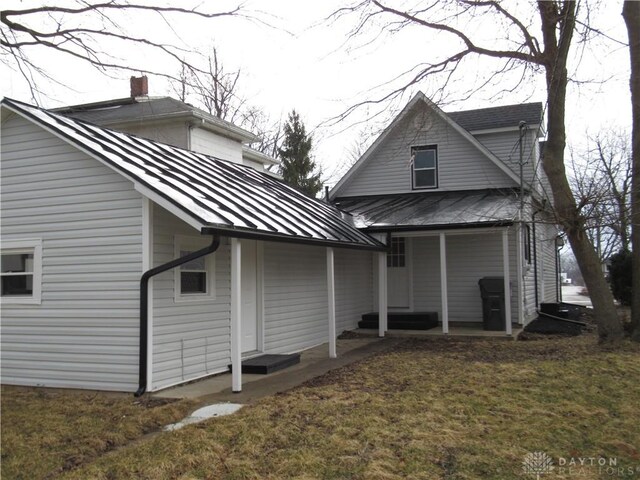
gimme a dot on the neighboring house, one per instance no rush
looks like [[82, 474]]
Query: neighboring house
[[445, 188], [86, 210]]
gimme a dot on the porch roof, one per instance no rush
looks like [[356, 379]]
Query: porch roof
[[212, 195], [432, 210]]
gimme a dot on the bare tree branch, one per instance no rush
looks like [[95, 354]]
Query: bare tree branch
[[67, 31]]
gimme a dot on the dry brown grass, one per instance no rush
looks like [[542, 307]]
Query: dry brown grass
[[429, 409], [47, 432]]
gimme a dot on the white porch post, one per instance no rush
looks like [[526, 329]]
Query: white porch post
[[236, 316], [520, 272], [443, 284], [331, 289], [507, 283], [382, 293]]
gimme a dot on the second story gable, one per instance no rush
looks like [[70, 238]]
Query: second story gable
[[425, 149]]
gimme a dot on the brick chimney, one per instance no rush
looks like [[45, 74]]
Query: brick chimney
[[139, 86]]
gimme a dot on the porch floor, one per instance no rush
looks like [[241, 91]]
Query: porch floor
[[454, 331], [313, 362]]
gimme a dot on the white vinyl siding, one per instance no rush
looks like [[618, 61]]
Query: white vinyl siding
[[547, 254], [295, 297], [469, 258], [191, 338], [354, 287], [215, 145], [461, 166], [84, 334]]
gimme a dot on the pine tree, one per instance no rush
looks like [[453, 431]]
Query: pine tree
[[297, 167]]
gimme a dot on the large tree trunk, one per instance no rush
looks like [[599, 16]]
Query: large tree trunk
[[559, 19], [631, 15]]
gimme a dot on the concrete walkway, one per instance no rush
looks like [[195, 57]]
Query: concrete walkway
[[571, 294], [313, 362]]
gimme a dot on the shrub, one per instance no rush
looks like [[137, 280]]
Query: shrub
[[620, 276]]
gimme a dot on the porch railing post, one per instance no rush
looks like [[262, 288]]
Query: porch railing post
[[236, 315], [382, 293], [507, 282], [331, 289], [443, 284]]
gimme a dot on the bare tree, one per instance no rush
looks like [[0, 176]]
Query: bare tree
[[270, 131], [80, 31], [602, 186], [515, 47], [216, 89], [631, 15]]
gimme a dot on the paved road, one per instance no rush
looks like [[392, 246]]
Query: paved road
[[571, 294]]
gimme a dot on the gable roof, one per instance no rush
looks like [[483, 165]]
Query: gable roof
[[508, 116], [432, 210], [212, 195], [418, 98], [145, 109]]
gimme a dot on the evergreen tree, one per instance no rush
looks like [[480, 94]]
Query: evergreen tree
[[297, 167]]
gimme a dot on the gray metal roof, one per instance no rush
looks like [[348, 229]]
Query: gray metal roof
[[221, 196], [114, 111], [498, 117], [126, 110], [432, 210]]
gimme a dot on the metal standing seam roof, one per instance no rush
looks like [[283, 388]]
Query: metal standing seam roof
[[221, 196], [432, 210]]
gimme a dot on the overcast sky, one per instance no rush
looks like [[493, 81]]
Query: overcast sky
[[301, 61]]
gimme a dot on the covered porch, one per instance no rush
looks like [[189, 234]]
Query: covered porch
[[441, 246]]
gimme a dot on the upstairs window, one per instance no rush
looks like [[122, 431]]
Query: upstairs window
[[20, 272], [425, 166]]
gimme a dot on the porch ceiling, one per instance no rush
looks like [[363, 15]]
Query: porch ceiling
[[432, 210]]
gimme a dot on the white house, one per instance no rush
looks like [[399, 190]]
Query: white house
[[86, 211], [136, 261], [445, 188]]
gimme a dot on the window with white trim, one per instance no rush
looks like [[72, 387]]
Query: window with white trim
[[397, 252], [21, 271], [424, 166], [193, 280]]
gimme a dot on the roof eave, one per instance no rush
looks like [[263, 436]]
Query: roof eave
[[276, 237], [443, 226], [254, 155]]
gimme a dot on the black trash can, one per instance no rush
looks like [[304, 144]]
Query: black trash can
[[493, 311]]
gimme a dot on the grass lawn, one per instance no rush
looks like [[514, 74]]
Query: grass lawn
[[428, 409], [46, 432]]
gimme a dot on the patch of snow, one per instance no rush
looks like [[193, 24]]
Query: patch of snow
[[204, 413]]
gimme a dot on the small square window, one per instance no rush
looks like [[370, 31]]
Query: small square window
[[194, 279], [20, 271], [424, 166]]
